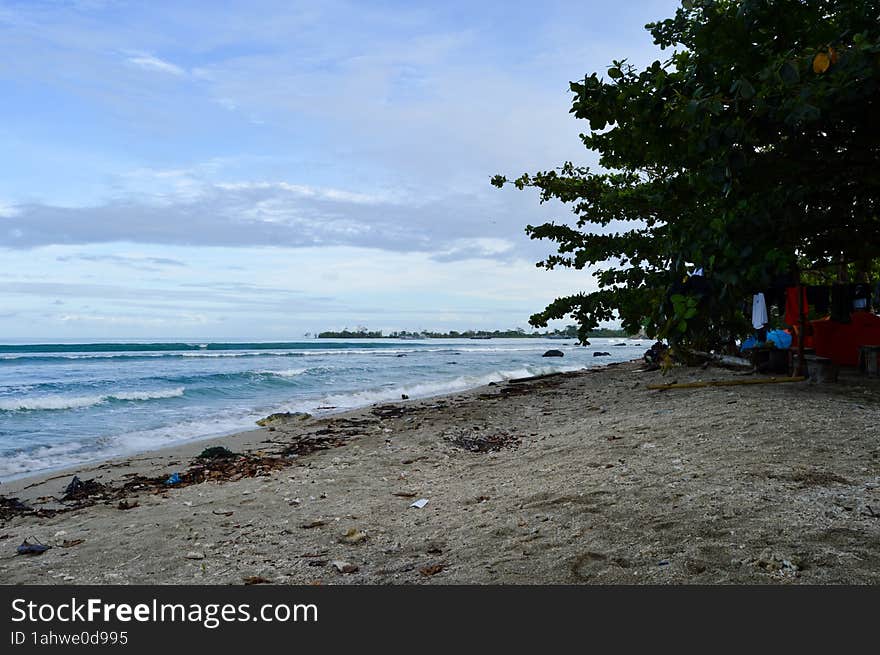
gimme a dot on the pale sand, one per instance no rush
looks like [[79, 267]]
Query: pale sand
[[610, 483]]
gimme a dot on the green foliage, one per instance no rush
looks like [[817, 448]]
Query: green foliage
[[751, 151]]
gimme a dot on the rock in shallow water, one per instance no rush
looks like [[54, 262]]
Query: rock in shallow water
[[553, 353]]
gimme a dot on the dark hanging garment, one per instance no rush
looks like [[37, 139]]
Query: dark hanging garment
[[841, 303], [819, 298], [777, 294]]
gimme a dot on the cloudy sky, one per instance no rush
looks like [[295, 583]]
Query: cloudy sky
[[258, 170]]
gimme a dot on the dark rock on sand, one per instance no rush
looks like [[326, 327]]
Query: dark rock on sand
[[283, 417], [553, 353]]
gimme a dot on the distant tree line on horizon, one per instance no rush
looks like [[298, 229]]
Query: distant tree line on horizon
[[569, 332]]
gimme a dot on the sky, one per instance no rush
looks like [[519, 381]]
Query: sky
[[259, 170]]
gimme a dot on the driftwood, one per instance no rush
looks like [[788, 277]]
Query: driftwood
[[534, 377], [723, 383]]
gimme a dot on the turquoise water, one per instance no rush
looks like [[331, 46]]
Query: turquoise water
[[63, 404]]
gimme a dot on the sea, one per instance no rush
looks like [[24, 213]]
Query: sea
[[67, 404]]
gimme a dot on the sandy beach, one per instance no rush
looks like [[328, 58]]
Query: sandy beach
[[585, 477]]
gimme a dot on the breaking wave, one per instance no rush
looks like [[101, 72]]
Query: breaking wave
[[58, 402]]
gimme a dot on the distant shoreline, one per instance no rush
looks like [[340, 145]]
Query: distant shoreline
[[476, 334]]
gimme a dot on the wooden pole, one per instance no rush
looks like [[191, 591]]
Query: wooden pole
[[802, 324]]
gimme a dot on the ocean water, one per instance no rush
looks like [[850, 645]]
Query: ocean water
[[64, 404]]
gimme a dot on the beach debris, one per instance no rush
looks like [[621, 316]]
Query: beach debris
[[390, 411], [553, 353], [432, 569], [70, 543], [216, 452], [35, 547], [283, 417], [655, 355], [313, 524], [195, 554], [344, 567], [256, 579], [307, 444], [173, 479], [778, 564], [722, 383], [80, 489], [354, 536], [124, 504], [532, 378], [483, 443], [420, 503], [405, 494], [230, 513], [10, 507]]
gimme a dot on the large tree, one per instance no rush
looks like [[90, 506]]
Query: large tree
[[750, 152]]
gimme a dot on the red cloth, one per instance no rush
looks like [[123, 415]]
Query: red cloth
[[792, 311], [841, 341]]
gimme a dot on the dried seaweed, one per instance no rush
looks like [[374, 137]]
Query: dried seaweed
[[484, 443]]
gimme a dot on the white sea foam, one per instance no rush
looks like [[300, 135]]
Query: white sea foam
[[420, 389], [286, 373], [57, 402], [147, 395], [75, 452], [40, 458]]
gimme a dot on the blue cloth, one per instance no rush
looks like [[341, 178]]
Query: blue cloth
[[749, 343], [779, 338]]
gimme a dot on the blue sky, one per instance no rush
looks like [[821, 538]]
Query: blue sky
[[257, 170]]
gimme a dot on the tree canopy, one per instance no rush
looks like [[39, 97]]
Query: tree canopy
[[750, 152]]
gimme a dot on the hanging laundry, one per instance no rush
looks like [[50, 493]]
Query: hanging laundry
[[792, 311], [759, 311]]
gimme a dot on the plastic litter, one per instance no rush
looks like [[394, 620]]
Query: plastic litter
[[420, 503], [173, 479], [35, 548]]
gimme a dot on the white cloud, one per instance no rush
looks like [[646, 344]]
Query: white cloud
[[152, 63], [8, 211], [177, 207]]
